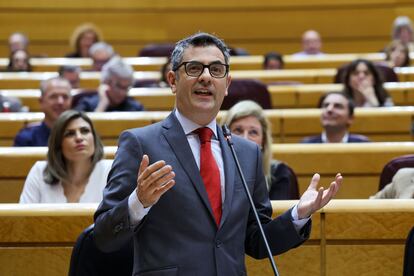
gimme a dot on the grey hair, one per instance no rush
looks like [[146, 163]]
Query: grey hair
[[116, 67], [399, 23], [250, 108], [44, 84], [23, 36], [68, 68], [197, 40], [98, 46]]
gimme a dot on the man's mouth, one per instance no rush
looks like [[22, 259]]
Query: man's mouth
[[203, 92]]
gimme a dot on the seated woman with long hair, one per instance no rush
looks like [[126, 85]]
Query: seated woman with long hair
[[363, 84], [247, 119], [397, 54], [74, 170]]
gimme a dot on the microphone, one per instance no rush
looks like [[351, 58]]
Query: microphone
[[227, 135]]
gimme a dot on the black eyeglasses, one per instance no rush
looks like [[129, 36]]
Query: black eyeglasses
[[195, 69]]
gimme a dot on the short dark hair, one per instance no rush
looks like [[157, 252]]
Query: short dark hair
[[68, 68], [380, 92], [351, 104], [273, 55], [56, 169], [197, 40]]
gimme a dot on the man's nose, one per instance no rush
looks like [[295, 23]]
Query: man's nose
[[60, 100], [205, 74]]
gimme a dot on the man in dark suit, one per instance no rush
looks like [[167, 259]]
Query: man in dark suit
[[336, 118], [116, 80], [169, 207]]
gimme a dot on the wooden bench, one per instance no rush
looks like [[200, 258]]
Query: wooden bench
[[355, 237], [30, 80], [109, 125], [288, 125], [236, 62], [282, 96], [360, 164]]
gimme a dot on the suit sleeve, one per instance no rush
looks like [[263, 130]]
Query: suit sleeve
[[280, 232], [112, 225]]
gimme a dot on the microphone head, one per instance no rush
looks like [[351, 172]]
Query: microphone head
[[226, 131]]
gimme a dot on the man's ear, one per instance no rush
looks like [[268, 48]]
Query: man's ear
[[171, 78], [228, 82]]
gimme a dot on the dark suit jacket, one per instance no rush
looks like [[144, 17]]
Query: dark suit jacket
[[352, 138], [179, 235]]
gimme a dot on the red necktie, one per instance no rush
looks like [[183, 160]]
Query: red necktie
[[210, 172]]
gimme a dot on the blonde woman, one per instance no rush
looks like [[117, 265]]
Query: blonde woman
[[247, 119]]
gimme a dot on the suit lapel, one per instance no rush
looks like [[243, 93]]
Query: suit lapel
[[175, 136], [229, 174]]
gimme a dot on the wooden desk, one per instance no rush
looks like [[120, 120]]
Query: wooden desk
[[360, 164], [348, 236], [90, 80], [253, 62], [108, 124], [285, 123], [282, 96]]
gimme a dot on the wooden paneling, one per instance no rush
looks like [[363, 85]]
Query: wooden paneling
[[307, 255], [360, 165], [367, 260], [35, 261], [282, 96], [357, 237], [129, 25], [287, 125]]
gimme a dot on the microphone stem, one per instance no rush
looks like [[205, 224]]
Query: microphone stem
[[227, 135]]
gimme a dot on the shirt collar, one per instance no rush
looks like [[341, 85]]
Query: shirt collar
[[189, 126], [324, 138]]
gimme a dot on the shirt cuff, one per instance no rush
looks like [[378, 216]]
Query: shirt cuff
[[136, 210], [298, 223]]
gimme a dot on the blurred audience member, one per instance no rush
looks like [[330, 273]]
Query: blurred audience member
[[336, 118], [273, 61], [164, 71], [100, 53], [403, 30], [19, 61], [10, 104], [72, 74], [363, 84], [116, 80], [83, 37], [163, 82], [397, 54], [402, 186], [18, 41], [311, 44], [54, 100], [74, 170], [247, 119]]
